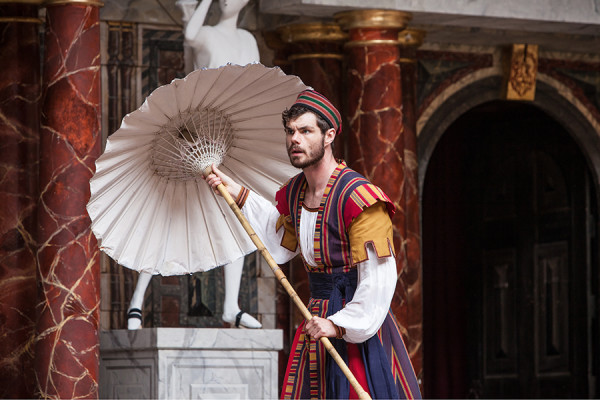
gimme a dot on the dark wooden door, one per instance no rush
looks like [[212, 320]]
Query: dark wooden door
[[528, 236], [510, 265]]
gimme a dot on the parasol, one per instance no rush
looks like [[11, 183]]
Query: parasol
[[149, 207]]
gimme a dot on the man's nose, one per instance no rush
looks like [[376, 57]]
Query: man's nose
[[295, 137]]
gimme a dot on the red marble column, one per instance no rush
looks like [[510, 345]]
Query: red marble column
[[67, 348], [376, 135], [411, 279], [314, 51], [19, 132]]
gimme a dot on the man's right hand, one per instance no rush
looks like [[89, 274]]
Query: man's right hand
[[217, 177]]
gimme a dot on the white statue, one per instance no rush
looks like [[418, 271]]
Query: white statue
[[212, 47]]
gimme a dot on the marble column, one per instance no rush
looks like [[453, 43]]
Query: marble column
[[67, 348], [376, 134], [315, 54], [411, 279], [19, 132]]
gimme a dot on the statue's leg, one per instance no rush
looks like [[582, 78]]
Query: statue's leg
[[134, 312], [231, 309]]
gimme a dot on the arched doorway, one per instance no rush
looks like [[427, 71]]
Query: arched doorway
[[509, 259]]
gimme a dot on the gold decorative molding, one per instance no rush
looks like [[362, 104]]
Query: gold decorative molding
[[96, 3], [26, 20], [411, 37], [316, 55], [520, 72], [372, 19], [372, 42], [315, 31]]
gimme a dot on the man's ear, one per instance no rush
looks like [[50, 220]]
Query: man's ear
[[329, 136]]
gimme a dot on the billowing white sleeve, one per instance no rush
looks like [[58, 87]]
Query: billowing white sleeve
[[362, 317], [262, 216]]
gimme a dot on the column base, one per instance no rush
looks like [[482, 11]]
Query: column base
[[170, 363]]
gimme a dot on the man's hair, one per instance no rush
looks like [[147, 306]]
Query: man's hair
[[290, 114]]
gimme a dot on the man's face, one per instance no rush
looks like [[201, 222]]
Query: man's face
[[304, 140]]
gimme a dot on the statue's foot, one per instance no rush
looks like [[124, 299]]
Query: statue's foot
[[134, 319], [242, 320]]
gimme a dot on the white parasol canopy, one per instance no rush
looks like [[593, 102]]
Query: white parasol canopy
[[150, 209]]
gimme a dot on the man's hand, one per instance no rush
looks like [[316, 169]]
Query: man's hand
[[217, 177], [318, 327]]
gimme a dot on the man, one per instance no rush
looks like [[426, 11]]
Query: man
[[340, 223]]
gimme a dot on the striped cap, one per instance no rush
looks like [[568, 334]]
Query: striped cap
[[318, 103]]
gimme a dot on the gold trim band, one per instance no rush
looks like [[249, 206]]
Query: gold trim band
[[372, 19], [407, 60], [96, 3], [315, 55], [27, 20], [316, 31], [373, 42]]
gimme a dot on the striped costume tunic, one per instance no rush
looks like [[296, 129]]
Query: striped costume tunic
[[381, 363]]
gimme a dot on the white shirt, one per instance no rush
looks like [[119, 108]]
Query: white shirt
[[362, 317]]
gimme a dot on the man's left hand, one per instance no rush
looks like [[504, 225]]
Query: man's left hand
[[319, 327]]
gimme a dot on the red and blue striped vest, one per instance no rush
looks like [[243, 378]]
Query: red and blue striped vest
[[346, 195]]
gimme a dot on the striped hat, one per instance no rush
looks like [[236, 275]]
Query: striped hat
[[319, 104]]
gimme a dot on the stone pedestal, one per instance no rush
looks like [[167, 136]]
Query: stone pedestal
[[189, 363]]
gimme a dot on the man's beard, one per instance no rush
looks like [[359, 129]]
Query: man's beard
[[315, 157]]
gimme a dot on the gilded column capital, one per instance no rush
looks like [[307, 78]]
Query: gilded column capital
[[313, 31], [372, 19], [313, 40], [411, 37], [96, 3]]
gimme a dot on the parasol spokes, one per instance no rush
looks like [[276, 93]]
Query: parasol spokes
[[191, 142]]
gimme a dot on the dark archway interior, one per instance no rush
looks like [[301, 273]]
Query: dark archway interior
[[456, 228]]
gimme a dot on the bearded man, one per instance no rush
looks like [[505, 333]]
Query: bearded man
[[341, 225]]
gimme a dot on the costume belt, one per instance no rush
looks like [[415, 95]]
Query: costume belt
[[338, 287]]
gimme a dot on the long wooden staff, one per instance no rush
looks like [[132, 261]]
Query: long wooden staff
[[288, 287]]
